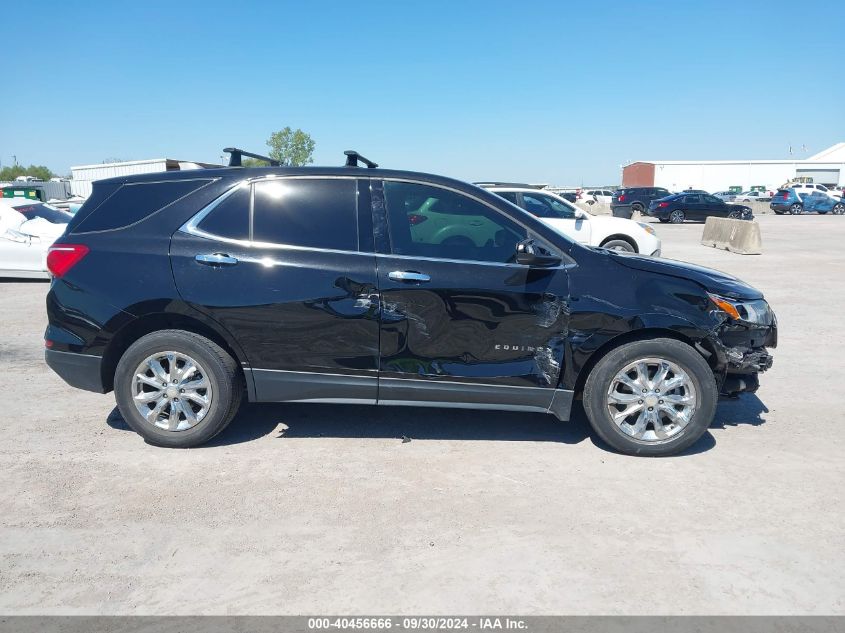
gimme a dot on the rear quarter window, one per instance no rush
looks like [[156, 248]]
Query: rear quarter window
[[134, 202]]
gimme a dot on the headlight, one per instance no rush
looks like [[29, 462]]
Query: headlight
[[647, 228], [757, 311]]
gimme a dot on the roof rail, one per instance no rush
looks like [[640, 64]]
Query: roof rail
[[235, 156], [352, 158], [517, 185]]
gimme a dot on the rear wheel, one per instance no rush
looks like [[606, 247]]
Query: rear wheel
[[176, 388], [677, 217], [636, 208], [651, 398], [619, 245], [795, 209]]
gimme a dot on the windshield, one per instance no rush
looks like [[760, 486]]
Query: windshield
[[45, 212]]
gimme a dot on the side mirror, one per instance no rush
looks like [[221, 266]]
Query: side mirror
[[580, 214], [529, 253]]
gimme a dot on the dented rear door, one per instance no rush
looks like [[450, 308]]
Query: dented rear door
[[460, 321]]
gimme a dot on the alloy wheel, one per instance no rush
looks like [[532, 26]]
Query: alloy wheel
[[795, 209], [171, 391], [651, 399], [677, 217]]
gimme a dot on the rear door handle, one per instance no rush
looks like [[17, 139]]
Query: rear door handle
[[408, 275], [216, 259]]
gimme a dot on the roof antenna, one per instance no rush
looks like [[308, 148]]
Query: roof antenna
[[353, 157], [235, 156]]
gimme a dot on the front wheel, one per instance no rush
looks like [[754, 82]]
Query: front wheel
[[734, 215], [839, 209], [176, 388], [651, 398], [677, 217], [619, 245]]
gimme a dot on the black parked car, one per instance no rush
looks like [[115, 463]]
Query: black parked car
[[635, 199], [186, 291], [696, 206]]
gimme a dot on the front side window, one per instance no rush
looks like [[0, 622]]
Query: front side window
[[428, 221], [308, 212], [546, 207], [712, 200]]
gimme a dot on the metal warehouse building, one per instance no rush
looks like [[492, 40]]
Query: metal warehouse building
[[84, 175], [827, 168]]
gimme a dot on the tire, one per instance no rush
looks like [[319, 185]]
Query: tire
[[619, 245], [796, 208], [636, 208], [677, 217], [698, 383], [734, 215], [839, 208], [176, 349]]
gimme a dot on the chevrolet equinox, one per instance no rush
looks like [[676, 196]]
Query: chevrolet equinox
[[185, 292]]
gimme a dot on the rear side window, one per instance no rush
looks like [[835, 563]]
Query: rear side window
[[314, 213], [135, 201]]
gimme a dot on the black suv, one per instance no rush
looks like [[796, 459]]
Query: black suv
[[630, 199], [185, 292]]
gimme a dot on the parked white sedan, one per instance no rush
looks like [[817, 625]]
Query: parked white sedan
[[27, 229], [592, 230]]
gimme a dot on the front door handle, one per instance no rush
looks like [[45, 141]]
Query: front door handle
[[408, 275], [216, 259]]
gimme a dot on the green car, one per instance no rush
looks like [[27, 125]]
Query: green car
[[441, 221]]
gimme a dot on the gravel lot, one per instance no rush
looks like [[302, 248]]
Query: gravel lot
[[301, 509]]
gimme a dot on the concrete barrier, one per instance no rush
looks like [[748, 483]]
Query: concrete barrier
[[736, 236]]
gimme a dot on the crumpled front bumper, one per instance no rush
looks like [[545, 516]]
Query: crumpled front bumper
[[742, 353]]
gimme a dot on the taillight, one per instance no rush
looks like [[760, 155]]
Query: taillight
[[62, 257], [416, 218], [662, 205], [621, 197]]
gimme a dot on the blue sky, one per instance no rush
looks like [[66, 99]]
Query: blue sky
[[554, 92]]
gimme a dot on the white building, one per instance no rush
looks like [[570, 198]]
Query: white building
[[826, 167], [84, 175]]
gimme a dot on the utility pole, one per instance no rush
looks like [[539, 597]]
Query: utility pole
[[14, 159]]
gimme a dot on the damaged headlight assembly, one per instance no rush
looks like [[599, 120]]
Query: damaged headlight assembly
[[756, 312]]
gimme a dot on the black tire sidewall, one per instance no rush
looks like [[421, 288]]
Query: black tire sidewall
[[595, 395], [219, 367]]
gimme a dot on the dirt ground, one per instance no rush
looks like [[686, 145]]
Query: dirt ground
[[310, 509]]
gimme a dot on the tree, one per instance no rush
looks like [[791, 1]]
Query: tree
[[293, 148], [39, 171]]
